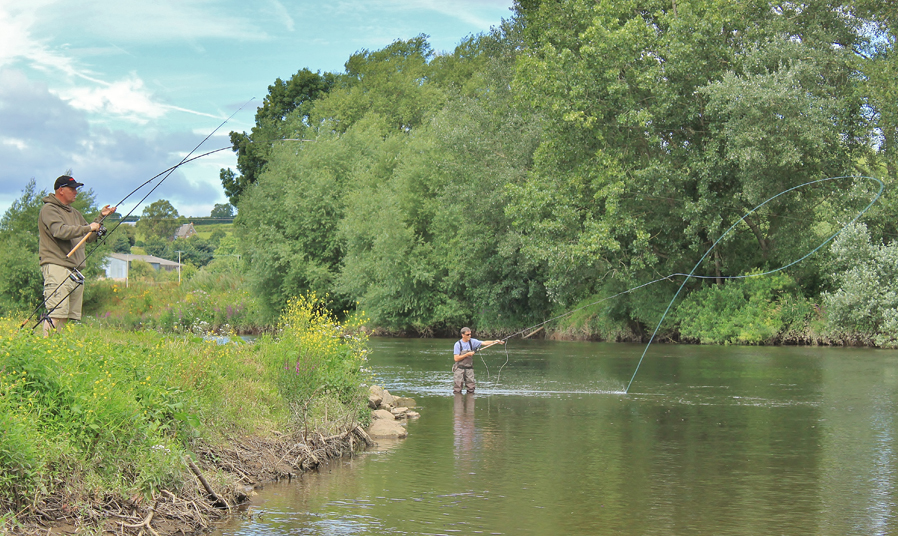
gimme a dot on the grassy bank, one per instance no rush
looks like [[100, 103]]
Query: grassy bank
[[105, 416], [208, 302]]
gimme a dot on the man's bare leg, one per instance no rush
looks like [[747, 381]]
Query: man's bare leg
[[58, 323]]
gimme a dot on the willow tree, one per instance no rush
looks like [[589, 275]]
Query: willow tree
[[429, 247], [295, 207], [670, 120]]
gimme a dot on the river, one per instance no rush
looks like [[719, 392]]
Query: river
[[709, 440]]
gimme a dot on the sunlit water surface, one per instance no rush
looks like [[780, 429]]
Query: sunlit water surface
[[709, 440]]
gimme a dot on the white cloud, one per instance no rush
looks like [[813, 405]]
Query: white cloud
[[127, 98], [464, 10], [478, 13], [280, 12], [19, 45], [14, 142], [139, 21]]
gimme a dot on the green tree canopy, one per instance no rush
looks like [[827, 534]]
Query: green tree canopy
[[159, 219], [668, 122], [292, 97], [579, 150], [224, 210]]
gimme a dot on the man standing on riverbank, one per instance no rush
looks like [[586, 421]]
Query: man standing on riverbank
[[463, 368], [60, 228]]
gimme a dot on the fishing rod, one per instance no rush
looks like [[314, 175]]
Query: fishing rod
[[167, 175], [691, 275], [75, 274], [154, 177]]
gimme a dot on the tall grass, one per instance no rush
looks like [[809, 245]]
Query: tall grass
[[208, 302], [96, 411]]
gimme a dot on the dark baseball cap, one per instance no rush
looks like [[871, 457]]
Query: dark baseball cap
[[65, 180]]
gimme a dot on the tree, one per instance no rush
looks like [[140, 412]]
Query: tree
[[195, 250], [669, 121], [384, 94], [394, 83], [294, 96], [156, 246], [216, 237], [407, 176], [119, 243], [225, 210], [159, 219], [428, 246], [880, 70], [227, 246], [21, 217], [21, 283]]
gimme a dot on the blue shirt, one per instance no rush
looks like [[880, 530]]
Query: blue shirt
[[475, 344]]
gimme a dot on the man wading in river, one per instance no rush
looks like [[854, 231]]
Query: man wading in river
[[463, 369]]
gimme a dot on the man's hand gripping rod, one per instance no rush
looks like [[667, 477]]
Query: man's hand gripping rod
[[100, 230]]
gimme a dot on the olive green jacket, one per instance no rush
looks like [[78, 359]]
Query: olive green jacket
[[61, 227]]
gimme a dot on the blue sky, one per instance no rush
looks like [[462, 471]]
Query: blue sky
[[119, 90]]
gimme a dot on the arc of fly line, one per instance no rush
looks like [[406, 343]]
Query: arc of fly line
[[691, 275], [781, 268]]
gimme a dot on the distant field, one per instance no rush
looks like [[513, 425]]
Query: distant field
[[205, 231]]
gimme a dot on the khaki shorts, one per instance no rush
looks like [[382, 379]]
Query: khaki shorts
[[62, 301]]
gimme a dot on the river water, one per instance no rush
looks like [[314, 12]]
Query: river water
[[709, 440]]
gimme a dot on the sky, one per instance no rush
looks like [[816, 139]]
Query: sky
[[117, 91]]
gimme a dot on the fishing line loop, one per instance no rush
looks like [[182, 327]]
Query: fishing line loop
[[691, 274], [781, 268]]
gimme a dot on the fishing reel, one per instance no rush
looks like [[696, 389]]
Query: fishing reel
[[101, 231], [76, 276]]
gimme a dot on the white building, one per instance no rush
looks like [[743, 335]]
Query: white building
[[118, 264]]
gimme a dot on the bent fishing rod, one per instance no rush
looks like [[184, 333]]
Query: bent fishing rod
[[101, 232], [167, 173], [75, 274]]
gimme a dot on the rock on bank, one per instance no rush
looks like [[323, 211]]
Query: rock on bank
[[390, 414]]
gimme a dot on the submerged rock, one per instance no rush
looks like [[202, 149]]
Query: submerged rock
[[404, 402]]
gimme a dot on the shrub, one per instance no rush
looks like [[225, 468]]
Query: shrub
[[864, 301], [315, 355], [753, 310]]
